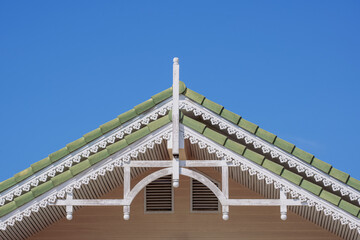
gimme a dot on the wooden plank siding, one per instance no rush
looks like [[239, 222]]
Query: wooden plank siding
[[251, 223]]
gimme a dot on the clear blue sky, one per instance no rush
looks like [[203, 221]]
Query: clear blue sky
[[292, 67]]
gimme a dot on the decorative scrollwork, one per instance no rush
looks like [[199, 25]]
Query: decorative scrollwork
[[85, 153], [283, 157], [283, 184], [108, 167]]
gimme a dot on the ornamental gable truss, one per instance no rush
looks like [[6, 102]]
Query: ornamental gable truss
[[201, 134]]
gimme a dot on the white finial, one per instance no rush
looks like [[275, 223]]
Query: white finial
[[176, 60], [283, 216], [126, 216], [69, 216], [175, 183], [225, 216]]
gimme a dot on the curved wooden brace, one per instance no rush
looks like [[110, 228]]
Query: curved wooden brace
[[167, 171], [145, 181], [204, 180]]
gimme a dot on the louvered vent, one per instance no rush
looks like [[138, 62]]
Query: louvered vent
[[159, 195], [202, 198]]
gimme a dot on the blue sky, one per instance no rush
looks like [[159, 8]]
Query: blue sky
[[67, 67]]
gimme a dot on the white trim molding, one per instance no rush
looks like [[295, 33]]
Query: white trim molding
[[295, 191], [73, 158], [266, 147]]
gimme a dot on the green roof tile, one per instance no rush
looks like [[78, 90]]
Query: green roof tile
[[9, 207], [76, 144], [63, 177], [340, 175], [328, 196], [215, 136], [352, 182], [97, 157], [307, 157], [235, 147], [253, 156], [284, 145], [142, 107], [137, 135], [78, 168], [196, 97], [198, 126], [7, 183], [113, 148], [292, 177], [106, 127], [40, 164], [216, 108], [323, 166], [21, 200], [351, 208], [23, 174], [126, 116], [42, 188], [182, 87], [311, 187], [158, 123], [267, 136], [249, 126], [58, 154], [193, 124], [92, 135], [274, 167], [230, 116], [158, 98]]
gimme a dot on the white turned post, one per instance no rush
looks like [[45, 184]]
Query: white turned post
[[283, 208], [175, 123], [127, 177], [225, 190], [126, 212], [69, 208]]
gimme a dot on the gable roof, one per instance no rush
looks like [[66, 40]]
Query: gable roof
[[206, 117]]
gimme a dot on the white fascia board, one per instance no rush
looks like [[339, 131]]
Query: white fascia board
[[100, 168], [106, 139], [270, 177], [275, 152]]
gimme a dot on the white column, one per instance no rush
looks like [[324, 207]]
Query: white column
[[127, 177], [69, 208], [225, 190], [283, 208], [175, 123]]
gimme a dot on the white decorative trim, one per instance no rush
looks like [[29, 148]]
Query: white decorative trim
[[157, 137], [271, 178], [75, 157], [108, 165], [274, 151]]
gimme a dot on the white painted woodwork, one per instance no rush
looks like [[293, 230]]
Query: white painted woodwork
[[283, 207], [69, 208], [175, 108], [225, 190], [175, 123]]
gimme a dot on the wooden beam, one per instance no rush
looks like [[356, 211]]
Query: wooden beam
[[264, 202], [182, 163], [90, 202]]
